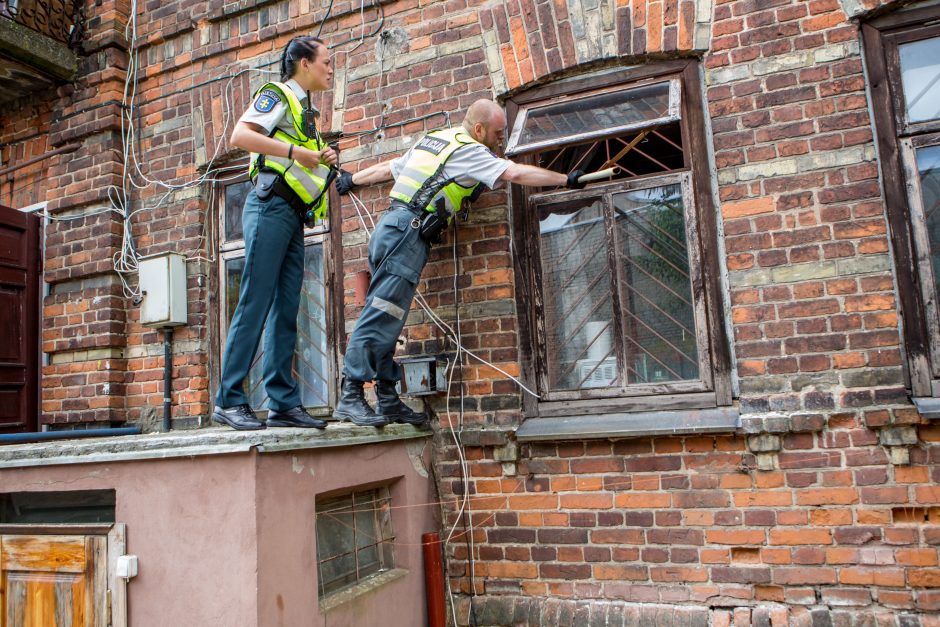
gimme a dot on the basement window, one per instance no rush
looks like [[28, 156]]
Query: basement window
[[312, 365], [622, 293], [72, 507], [354, 540]]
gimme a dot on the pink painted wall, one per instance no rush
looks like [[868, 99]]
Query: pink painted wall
[[229, 540]]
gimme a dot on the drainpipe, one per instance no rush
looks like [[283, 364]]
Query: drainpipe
[[39, 436], [45, 155], [433, 578], [167, 377]]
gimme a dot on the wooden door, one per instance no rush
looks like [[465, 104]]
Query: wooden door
[[53, 581], [19, 320]]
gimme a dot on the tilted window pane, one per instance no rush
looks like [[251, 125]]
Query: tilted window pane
[[920, 78], [311, 365], [593, 115], [928, 167], [655, 286], [235, 195], [577, 291]]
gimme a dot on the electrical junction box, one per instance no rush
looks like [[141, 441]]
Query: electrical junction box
[[126, 567], [163, 287], [422, 376]]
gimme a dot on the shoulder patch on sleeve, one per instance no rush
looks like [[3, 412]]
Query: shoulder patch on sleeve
[[266, 100]]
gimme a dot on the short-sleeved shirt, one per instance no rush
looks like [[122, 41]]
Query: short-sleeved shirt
[[470, 164], [269, 111]]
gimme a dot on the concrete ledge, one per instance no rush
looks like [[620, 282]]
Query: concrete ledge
[[38, 51], [367, 585], [928, 407], [213, 441], [618, 426]]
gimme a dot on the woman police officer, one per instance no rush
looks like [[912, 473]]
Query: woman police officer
[[289, 169]]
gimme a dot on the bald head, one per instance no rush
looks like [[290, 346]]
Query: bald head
[[486, 122]]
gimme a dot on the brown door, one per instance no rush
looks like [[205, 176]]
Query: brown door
[[53, 581], [19, 320]]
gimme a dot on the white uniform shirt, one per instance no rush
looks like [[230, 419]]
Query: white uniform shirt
[[269, 111], [470, 164]]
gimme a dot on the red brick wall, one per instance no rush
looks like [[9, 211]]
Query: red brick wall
[[823, 503]]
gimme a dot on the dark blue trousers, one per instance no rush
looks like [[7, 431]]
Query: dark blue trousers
[[270, 291], [397, 255]]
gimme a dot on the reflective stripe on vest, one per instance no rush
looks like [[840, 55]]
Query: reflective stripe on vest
[[427, 160], [306, 183]]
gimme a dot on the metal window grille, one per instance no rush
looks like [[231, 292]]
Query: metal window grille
[[354, 538]]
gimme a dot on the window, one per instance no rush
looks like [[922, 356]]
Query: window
[[313, 359], [354, 539], [902, 52], [621, 291]]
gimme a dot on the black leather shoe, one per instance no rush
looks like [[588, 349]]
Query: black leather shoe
[[238, 417], [353, 407], [392, 407], [296, 417]]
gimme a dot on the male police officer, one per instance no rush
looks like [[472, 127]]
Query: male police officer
[[432, 181]]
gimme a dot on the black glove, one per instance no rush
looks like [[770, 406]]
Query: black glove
[[573, 182], [344, 182]]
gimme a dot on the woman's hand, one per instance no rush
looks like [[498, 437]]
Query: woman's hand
[[313, 158]]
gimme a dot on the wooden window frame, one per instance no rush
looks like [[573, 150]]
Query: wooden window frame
[[896, 139], [330, 238], [716, 391]]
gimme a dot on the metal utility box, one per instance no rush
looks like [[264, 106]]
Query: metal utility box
[[163, 288], [421, 376]]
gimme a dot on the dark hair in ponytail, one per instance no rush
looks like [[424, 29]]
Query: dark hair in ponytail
[[296, 49]]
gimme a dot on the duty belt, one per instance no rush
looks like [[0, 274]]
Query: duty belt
[[283, 190], [397, 204]]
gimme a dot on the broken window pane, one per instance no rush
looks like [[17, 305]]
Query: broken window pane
[[920, 79], [636, 153], [655, 286], [594, 116]]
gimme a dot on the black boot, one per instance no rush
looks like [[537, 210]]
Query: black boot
[[391, 407], [353, 407]]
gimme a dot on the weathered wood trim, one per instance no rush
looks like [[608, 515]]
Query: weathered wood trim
[[693, 125], [51, 529], [615, 76], [703, 400], [899, 218]]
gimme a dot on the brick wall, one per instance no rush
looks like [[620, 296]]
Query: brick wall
[[823, 506]]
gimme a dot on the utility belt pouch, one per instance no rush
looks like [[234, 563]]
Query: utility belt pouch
[[432, 225], [264, 184]]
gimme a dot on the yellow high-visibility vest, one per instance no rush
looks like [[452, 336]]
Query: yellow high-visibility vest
[[307, 183], [421, 178]]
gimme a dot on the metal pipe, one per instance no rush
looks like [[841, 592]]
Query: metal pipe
[[51, 153], [38, 436], [434, 579], [167, 377]]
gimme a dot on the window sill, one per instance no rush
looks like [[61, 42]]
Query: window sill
[[928, 407], [197, 442], [630, 425], [336, 599]]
